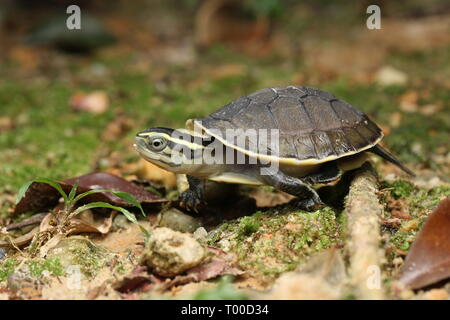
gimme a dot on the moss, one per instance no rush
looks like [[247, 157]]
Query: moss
[[120, 268], [53, 265], [90, 260], [7, 267], [274, 241], [82, 252], [418, 203], [247, 226], [399, 189]]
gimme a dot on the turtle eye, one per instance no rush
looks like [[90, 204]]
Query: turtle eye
[[157, 144]]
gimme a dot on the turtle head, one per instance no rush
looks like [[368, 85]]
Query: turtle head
[[170, 149]]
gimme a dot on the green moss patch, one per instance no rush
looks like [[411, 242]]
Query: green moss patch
[[418, 203], [271, 242]]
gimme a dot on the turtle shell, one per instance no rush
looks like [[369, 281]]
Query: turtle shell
[[313, 125]]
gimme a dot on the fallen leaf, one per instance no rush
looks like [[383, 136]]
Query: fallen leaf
[[141, 281], [138, 280], [212, 269], [147, 171], [397, 208], [37, 218], [41, 196], [101, 225], [428, 260], [22, 240]]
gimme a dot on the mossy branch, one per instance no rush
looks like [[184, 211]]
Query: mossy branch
[[363, 211]]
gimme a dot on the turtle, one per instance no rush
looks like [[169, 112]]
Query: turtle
[[314, 138]]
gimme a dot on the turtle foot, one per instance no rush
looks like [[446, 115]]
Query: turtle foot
[[190, 200], [310, 204]]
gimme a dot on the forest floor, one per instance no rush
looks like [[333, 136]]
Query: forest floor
[[399, 76]]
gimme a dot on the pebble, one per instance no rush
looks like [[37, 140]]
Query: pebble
[[178, 221], [170, 252]]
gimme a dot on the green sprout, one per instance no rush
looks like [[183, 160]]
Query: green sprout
[[71, 199]]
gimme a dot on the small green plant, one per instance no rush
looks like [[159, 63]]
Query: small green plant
[[70, 200], [248, 225], [7, 267], [52, 265]]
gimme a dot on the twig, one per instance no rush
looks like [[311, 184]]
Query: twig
[[27, 222], [363, 213]]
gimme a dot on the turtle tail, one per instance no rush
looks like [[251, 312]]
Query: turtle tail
[[380, 151]]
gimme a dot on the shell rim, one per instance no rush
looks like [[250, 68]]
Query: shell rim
[[282, 160]]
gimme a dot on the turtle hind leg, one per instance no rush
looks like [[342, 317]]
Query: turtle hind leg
[[329, 172], [334, 195], [307, 197]]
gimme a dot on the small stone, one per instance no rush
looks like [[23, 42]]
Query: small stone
[[20, 279], [200, 233], [170, 253], [225, 245], [120, 222], [2, 253], [178, 221]]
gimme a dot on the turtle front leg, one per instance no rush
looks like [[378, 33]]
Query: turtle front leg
[[192, 197], [308, 199]]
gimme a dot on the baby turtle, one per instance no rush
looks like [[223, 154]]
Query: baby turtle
[[293, 138]]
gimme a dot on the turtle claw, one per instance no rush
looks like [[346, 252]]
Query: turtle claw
[[190, 200], [310, 204]]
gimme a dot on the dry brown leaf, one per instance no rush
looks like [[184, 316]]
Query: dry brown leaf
[[147, 171], [22, 240], [398, 209], [41, 196], [102, 225], [428, 260]]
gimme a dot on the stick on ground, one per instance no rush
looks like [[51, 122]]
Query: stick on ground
[[363, 212]]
